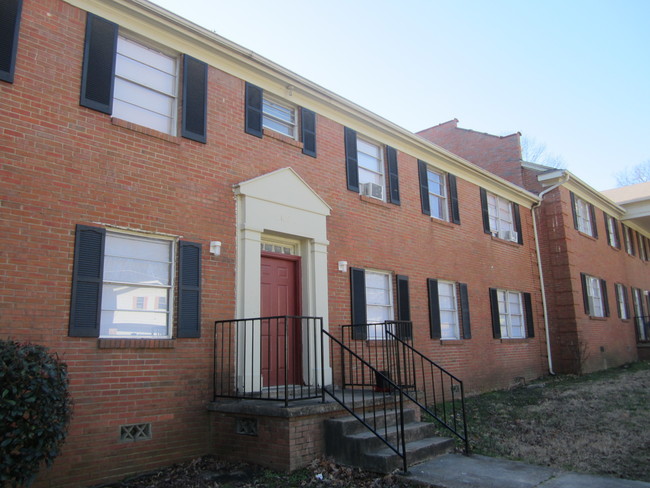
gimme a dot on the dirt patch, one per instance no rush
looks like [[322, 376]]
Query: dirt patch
[[598, 423]]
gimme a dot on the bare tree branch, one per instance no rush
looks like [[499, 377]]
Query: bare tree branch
[[537, 152], [636, 174]]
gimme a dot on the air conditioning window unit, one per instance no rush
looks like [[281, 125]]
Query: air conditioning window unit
[[508, 235], [372, 190]]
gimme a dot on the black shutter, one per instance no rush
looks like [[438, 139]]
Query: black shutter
[[9, 27], [517, 222], [434, 309], [403, 307], [453, 198], [494, 309], [464, 310], [573, 210], [594, 224], [485, 211], [585, 293], [351, 162], [632, 243], [424, 187], [358, 295], [528, 312], [254, 99], [87, 280], [393, 177], [616, 233], [603, 292], [195, 99], [308, 132], [609, 241], [98, 74], [626, 302], [189, 290]]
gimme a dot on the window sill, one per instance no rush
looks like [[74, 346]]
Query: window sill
[[588, 236], [145, 130], [601, 319], [374, 201], [103, 343], [444, 223], [452, 342], [505, 340], [503, 241], [282, 138]]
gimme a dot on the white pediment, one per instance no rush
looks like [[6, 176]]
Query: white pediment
[[284, 187]]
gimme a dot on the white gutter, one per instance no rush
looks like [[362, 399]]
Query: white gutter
[[541, 273]]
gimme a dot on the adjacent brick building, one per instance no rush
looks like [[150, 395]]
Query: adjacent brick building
[[594, 252]]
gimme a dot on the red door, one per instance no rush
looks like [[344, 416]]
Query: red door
[[280, 339]]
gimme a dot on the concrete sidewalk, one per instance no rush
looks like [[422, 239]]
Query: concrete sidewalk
[[458, 471]]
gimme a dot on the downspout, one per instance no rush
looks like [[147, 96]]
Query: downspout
[[541, 272]]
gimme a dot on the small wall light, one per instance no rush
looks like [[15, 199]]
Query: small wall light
[[215, 248], [343, 266]]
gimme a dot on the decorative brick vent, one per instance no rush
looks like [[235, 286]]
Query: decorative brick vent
[[246, 426], [135, 432]]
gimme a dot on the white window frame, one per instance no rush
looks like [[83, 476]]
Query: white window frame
[[627, 238], [377, 332], [611, 230], [449, 329], [501, 217], [509, 315], [279, 116], [583, 216], [438, 200], [166, 120], [595, 297], [366, 173], [106, 331], [621, 300]]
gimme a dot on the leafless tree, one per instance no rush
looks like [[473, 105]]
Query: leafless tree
[[534, 151], [636, 174]]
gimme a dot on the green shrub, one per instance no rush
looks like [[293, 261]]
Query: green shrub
[[35, 409]]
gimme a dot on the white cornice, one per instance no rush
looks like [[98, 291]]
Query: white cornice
[[171, 30]]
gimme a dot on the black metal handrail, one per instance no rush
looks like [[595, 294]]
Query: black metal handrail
[[642, 328], [435, 390], [431, 387], [267, 358], [379, 409]]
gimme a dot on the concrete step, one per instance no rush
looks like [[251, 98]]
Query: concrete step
[[350, 442]]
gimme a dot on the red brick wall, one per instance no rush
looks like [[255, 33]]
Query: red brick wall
[[598, 343], [500, 155], [64, 165]]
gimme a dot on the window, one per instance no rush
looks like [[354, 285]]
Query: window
[[583, 216], [366, 169], [501, 217], [594, 292], [145, 86], [642, 319], [512, 314], [643, 253], [379, 302], [448, 310], [621, 302], [438, 193], [279, 116], [612, 232], [627, 238], [137, 272], [123, 285], [127, 79]]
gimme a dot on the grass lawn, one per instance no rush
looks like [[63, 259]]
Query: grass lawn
[[597, 423]]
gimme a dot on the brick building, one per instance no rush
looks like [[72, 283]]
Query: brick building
[[157, 178], [594, 249]]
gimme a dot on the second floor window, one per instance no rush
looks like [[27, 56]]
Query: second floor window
[[583, 216], [501, 217], [612, 232], [437, 194], [279, 116]]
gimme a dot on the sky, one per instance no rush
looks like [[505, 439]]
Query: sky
[[573, 75]]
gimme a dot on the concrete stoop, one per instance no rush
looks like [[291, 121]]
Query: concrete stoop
[[350, 442]]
